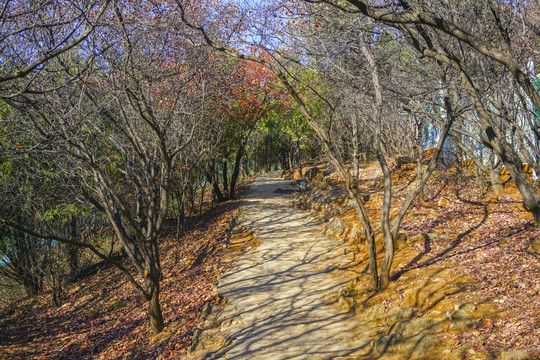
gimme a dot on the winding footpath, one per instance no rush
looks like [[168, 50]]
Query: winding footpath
[[280, 293]]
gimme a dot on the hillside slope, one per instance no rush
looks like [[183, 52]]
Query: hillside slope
[[103, 317], [459, 249]]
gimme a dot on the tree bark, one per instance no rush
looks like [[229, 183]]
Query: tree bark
[[73, 251], [201, 200], [368, 235], [225, 175], [180, 219], [419, 172], [531, 198], [215, 188], [496, 183], [156, 316], [238, 161], [385, 220], [236, 172], [32, 285]]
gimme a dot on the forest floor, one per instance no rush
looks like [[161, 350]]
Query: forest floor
[[463, 246], [103, 317]]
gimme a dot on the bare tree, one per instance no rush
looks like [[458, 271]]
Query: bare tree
[[34, 33], [118, 131], [351, 58], [498, 35]]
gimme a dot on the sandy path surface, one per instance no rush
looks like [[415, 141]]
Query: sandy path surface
[[279, 294]]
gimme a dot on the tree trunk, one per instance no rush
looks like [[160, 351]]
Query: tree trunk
[[56, 282], [356, 151], [217, 192], [266, 153], [192, 199], [459, 156], [156, 317], [298, 154], [531, 198], [291, 161], [152, 275], [419, 173], [236, 172], [385, 220], [181, 215], [32, 285], [203, 189], [215, 188], [388, 259], [419, 178], [496, 182], [245, 168], [368, 234], [73, 252], [271, 153], [225, 174], [255, 163], [381, 157]]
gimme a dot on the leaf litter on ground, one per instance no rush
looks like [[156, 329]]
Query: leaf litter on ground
[[103, 317]]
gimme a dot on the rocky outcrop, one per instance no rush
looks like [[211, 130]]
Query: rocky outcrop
[[410, 337], [327, 202], [514, 355], [335, 227], [400, 313], [402, 161], [461, 319], [400, 241], [468, 307], [355, 234], [414, 347], [412, 327], [301, 185]]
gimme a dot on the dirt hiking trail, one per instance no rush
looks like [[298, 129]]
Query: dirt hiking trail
[[279, 294]]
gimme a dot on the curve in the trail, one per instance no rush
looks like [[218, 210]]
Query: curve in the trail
[[279, 293]]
